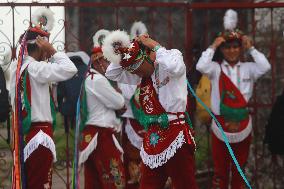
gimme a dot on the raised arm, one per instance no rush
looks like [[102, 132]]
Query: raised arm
[[205, 64], [115, 72], [59, 69], [102, 89], [261, 64], [171, 61]]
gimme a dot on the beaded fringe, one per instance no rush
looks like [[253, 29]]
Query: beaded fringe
[[154, 161]]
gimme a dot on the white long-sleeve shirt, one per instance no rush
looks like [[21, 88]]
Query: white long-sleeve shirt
[[249, 73], [127, 92], [102, 101], [59, 68], [170, 71], [243, 75]]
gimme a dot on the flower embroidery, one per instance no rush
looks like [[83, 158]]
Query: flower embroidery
[[88, 138], [116, 173], [154, 137]]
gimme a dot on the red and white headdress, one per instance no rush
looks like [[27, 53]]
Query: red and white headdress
[[42, 21], [118, 48]]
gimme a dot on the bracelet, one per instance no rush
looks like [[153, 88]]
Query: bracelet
[[156, 48]]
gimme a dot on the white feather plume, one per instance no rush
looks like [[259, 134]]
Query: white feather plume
[[98, 35], [138, 27], [230, 20], [43, 12], [5, 56], [117, 36]]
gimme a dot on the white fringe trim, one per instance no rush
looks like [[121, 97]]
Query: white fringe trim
[[117, 145], [133, 137], [43, 139], [88, 150], [154, 161], [233, 137]]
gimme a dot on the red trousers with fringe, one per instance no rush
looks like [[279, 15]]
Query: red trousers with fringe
[[104, 168], [38, 166]]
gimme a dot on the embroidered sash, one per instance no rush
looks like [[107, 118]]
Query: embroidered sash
[[233, 106], [163, 137]]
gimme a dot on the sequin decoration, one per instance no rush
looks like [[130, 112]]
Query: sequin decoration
[[154, 138]]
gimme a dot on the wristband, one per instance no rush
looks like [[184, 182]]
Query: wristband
[[156, 48]]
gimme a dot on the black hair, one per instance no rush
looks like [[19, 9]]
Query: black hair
[[31, 48], [218, 56]]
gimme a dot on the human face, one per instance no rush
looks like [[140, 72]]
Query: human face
[[100, 63], [231, 52]]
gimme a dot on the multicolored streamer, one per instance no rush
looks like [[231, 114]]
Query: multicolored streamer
[[224, 136], [18, 179]]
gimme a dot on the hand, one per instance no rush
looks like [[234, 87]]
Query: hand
[[147, 41], [218, 41], [45, 46], [145, 35], [120, 111], [246, 42]]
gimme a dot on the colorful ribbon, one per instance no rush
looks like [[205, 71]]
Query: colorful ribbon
[[18, 179], [224, 136], [75, 171]]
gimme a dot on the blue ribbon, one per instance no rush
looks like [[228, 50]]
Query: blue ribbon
[[224, 137], [75, 175]]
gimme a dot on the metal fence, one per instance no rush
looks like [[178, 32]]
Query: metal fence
[[190, 27]]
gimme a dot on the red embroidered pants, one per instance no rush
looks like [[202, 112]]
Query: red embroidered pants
[[104, 168], [38, 166], [180, 168], [132, 160], [223, 163]]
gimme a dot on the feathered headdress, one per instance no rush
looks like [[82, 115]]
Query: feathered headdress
[[43, 18], [137, 29], [42, 22], [118, 48], [98, 40], [230, 25]]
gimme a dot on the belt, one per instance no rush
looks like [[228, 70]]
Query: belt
[[41, 124]]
